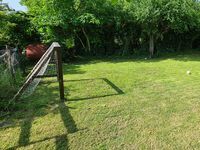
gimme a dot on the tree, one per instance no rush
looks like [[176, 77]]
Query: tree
[[64, 20], [16, 28], [116, 26], [158, 16]]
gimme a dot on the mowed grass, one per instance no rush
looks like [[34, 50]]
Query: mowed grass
[[112, 104]]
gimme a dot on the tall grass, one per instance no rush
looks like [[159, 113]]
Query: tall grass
[[8, 86]]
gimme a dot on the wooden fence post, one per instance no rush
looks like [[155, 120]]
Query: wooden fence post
[[59, 70]]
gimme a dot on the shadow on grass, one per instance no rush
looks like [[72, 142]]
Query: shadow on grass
[[34, 107], [117, 90], [111, 84], [61, 141], [72, 69], [67, 119], [182, 56], [24, 137]]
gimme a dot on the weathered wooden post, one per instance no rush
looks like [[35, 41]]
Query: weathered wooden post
[[59, 70]]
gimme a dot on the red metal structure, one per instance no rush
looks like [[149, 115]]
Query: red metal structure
[[35, 51]]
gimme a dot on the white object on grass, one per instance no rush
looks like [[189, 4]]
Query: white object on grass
[[188, 72]]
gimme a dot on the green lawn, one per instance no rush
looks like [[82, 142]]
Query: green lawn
[[112, 104]]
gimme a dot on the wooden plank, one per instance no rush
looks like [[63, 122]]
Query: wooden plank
[[48, 51]]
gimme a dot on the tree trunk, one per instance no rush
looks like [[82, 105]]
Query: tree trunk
[[179, 45], [193, 39], [151, 45], [87, 39], [126, 46], [81, 41]]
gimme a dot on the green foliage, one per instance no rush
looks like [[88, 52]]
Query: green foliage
[[17, 29], [103, 21], [87, 18], [70, 43], [8, 87]]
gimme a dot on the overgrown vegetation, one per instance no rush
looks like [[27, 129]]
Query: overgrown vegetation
[[8, 88], [16, 30]]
